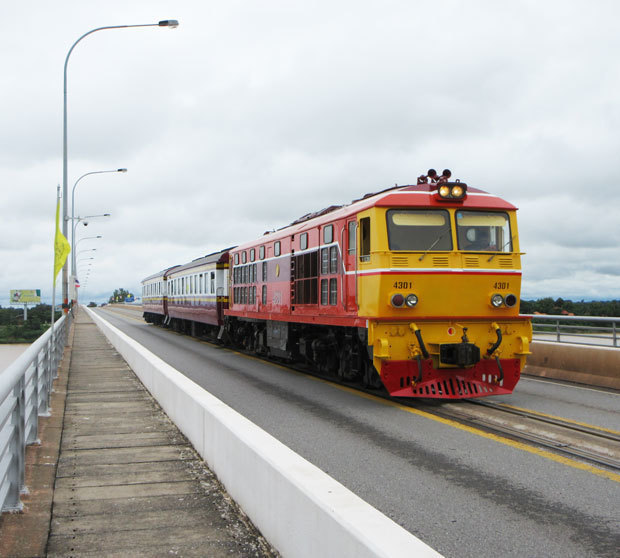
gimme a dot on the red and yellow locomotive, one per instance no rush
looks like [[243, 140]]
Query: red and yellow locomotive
[[415, 288]]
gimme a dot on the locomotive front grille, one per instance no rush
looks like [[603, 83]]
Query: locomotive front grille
[[472, 261], [505, 263], [441, 261]]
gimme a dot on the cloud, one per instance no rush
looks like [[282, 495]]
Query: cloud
[[250, 115]]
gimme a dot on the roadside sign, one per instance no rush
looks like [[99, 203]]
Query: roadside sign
[[25, 296]]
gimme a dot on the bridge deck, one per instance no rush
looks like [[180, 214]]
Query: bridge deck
[[128, 483]]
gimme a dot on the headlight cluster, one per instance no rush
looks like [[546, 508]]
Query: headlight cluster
[[398, 300], [498, 300], [452, 190]]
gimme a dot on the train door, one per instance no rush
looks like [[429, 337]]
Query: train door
[[349, 258], [164, 296]]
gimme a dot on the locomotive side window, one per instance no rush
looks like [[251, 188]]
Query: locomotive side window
[[333, 291], [276, 248], [244, 257], [237, 259], [252, 254], [352, 237], [483, 231], [303, 241], [324, 261], [212, 289], [365, 239], [328, 234], [333, 259], [261, 252], [419, 230]]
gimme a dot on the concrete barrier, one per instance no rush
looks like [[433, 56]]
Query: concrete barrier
[[300, 510], [594, 366]]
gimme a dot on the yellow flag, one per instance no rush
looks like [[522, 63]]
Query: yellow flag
[[61, 247]]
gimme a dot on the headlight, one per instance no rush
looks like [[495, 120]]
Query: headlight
[[497, 300], [510, 300], [452, 191], [457, 192], [411, 300], [398, 300], [444, 191]]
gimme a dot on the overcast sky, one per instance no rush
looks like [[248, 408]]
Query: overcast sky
[[251, 114]]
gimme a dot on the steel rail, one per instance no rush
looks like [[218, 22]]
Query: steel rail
[[592, 431], [573, 448]]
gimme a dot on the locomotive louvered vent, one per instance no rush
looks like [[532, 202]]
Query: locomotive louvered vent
[[400, 261], [505, 262], [472, 261], [441, 261]]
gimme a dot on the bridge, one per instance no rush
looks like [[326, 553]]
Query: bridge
[[153, 443]]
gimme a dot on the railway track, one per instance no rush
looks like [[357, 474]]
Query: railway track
[[591, 444]]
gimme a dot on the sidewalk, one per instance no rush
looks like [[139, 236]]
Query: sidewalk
[[127, 481]]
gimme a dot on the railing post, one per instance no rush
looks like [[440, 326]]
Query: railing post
[[614, 333], [43, 408], [15, 474], [31, 405], [557, 328]]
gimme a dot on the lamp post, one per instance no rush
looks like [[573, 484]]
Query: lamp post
[[170, 23], [87, 238], [76, 221], [73, 206], [87, 250]]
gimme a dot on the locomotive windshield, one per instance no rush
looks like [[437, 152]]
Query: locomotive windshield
[[419, 230], [483, 231]]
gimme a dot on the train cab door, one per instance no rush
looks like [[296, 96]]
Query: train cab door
[[349, 258]]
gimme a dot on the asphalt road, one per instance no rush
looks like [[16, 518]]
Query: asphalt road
[[460, 492]]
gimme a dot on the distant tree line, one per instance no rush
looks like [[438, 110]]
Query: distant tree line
[[119, 296], [559, 306], [13, 329]]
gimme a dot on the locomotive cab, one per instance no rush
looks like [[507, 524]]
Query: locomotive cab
[[439, 283]]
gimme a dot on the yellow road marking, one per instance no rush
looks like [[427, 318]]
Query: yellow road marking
[[448, 422]]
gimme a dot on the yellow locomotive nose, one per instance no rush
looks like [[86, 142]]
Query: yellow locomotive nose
[[440, 292]]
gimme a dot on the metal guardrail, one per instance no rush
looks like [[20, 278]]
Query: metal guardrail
[[576, 329], [25, 394]]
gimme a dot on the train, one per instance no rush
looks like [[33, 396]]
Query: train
[[414, 290]]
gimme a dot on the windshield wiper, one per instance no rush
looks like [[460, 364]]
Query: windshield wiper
[[501, 250], [433, 244]]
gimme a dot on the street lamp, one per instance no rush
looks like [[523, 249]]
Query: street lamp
[[87, 250], [73, 205], [76, 221], [170, 23], [87, 238]]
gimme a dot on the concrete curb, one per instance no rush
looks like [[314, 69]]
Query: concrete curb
[[299, 509], [593, 366]]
